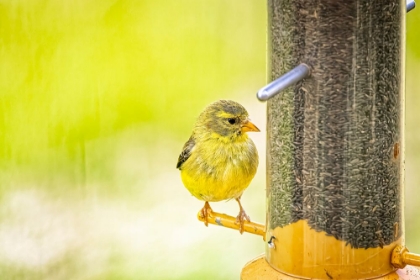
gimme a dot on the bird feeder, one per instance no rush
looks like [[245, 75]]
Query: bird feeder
[[335, 143]]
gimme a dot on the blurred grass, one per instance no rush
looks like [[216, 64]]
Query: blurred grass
[[96, 101]]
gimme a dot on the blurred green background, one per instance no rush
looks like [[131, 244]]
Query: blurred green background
[[96, 101]]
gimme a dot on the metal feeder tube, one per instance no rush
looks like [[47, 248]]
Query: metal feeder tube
[[335, 142]]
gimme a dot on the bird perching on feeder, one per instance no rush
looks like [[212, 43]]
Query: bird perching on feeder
[[219, 160], [335, 143]]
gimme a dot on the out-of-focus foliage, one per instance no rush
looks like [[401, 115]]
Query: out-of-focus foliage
[[96, 101], [412, 150], [74, 73]]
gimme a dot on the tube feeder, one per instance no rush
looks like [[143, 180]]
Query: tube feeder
[[335, 143]]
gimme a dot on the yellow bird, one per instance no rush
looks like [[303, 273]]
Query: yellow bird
[[219, 160]]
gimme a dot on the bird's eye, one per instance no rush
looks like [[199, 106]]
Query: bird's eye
[[232, 121]]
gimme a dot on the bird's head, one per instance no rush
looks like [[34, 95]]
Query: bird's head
[[226, 120]]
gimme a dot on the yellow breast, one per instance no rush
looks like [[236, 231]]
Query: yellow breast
[[218, 171]]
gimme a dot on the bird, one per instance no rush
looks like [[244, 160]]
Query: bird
[[219, 160]]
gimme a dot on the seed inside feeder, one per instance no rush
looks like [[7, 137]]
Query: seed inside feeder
[[334, 139]]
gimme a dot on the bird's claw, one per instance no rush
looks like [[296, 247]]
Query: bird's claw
[[240, 219], [205, 213]]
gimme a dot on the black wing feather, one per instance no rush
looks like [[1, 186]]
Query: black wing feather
[[186, 152]]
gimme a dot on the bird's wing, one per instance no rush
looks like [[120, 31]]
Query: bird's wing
[[186, 152]]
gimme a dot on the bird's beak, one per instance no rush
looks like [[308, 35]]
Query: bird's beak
[[248, 126]]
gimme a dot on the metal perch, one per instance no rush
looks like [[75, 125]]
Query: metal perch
[[293, 76], [230, 222], [411, 4]]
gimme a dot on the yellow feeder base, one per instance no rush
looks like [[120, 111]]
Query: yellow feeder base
[[314, 255], [259, 269]]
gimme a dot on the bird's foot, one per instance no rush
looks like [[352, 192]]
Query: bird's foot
[[205, 213], [240, 219]]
